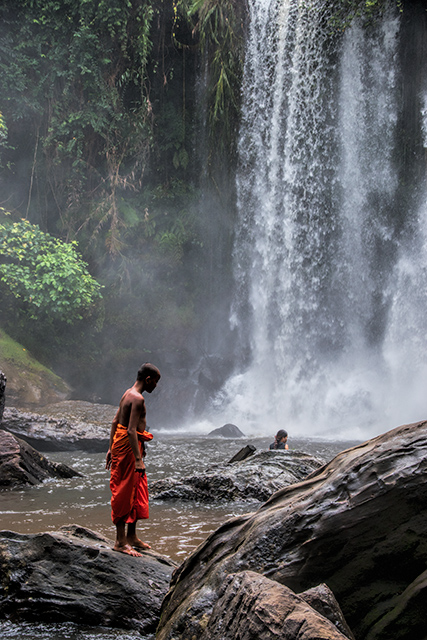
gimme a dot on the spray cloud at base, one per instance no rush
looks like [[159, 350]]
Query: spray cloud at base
[[330, 255]]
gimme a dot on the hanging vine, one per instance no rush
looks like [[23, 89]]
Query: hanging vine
[[217, 27], [74, 72]]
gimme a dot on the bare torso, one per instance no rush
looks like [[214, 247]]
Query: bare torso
[[132, 405]]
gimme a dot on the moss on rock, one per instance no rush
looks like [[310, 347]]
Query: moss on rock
[[29, 383]]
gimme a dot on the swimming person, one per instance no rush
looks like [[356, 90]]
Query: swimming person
[[280, 440], [125, 458]]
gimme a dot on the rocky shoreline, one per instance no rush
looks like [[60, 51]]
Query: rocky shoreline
[[57, 429], [338, 552], [357, 524]]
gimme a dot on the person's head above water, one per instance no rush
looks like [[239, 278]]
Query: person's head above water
[[281, 434]]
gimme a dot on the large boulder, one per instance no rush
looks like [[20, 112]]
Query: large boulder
[[29, 383], [358, 525], [74, 575], [253, 606], [64, 426], [226, 431], [20, 464], [254, 478]]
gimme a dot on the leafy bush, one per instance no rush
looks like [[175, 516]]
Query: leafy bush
[[44, 273]]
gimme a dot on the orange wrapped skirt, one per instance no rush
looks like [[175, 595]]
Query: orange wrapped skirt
[[129, 489]]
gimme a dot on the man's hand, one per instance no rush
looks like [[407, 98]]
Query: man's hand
[[108, 460], [139, 467]]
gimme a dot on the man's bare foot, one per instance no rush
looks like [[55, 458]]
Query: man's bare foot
[[138, 544], [126, 549]]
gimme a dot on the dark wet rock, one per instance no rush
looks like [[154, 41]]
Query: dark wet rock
[[226, 431], [74, 575], [3, 380], [252, 606], [20, 464], [64, 426], [244, 453], [254, 478], [357, 524]]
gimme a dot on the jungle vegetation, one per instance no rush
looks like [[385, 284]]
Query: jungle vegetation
[[98, 148], [118, 123]]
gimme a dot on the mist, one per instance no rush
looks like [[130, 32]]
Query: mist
[[330, 254], [277, 281]]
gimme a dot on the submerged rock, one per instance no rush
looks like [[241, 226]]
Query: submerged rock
[[254, 478], [226, 431], [66, 426], [357, 524], [20, 464], [74, 575]]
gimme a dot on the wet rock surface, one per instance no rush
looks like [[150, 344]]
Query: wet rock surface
[[252, 606], [20, 464], [253, 479], [64, 426], [74, 575], [244, 453], [357, 524], [322, 600]]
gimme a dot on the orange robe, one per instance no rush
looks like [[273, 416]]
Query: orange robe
[[129, 489]]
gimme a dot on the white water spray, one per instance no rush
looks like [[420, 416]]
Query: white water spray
[[330, 302]]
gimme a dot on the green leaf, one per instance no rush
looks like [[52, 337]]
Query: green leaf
[[44, 272]]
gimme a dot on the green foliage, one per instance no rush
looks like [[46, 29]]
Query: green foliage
[[167, 214], [218, 25], [74, 72], [3, 131], [345, 11], [3, 135], [47, 275], [101, 114], [164, 237]]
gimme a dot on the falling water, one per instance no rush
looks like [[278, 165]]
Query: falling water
[[330, 275]]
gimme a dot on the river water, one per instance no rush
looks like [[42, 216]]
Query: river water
[[173, 529]]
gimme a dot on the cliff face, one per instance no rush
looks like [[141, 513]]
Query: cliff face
[[358, 525]]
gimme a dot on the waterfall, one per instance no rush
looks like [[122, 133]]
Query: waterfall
[[330, 268]]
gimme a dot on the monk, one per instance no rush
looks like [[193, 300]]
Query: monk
[[125, 458]]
